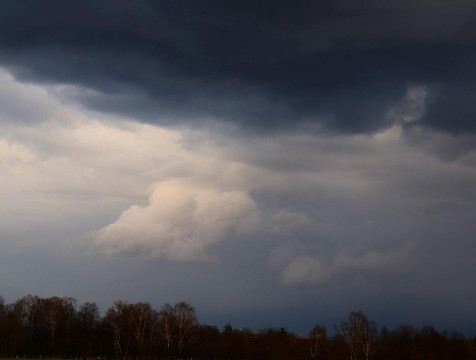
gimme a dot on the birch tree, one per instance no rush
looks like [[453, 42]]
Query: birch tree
[[176, 326], [186, 324], [117, 322], [56, 313], [165, 326], [360, 335], [317, 336], [140, 318]]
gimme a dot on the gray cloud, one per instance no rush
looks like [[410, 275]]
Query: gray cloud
[[272, 65]]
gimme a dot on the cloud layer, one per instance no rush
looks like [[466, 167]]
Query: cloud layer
[[383, 215], [267, 66], [205, 186]]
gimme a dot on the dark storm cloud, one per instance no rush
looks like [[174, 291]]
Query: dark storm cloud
[[263, 64]]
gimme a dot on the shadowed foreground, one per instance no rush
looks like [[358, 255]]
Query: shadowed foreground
[[37, 327]]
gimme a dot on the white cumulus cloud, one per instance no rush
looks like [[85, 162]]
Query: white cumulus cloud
[[180, 222]]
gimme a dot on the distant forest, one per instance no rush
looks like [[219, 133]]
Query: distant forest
[[56, 327]]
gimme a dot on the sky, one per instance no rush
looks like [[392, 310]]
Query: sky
[[272, 163]]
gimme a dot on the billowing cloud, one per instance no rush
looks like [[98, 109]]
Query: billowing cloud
[[180, 222]]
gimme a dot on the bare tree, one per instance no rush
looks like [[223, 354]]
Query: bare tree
[[56, 312], [140, 317], [3, 308], [186, 324], [27, 309], [360, 335], [350, 335], [165, 325], [117, 322], [317, 336], [88, 315], [368, 337], [176, 325], [88, 318]]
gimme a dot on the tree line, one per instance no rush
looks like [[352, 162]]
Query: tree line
[[56, 327]]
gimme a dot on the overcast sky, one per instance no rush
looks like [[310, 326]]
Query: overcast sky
[[273, 163]]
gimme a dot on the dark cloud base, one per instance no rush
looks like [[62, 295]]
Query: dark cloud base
[[264, 65]]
